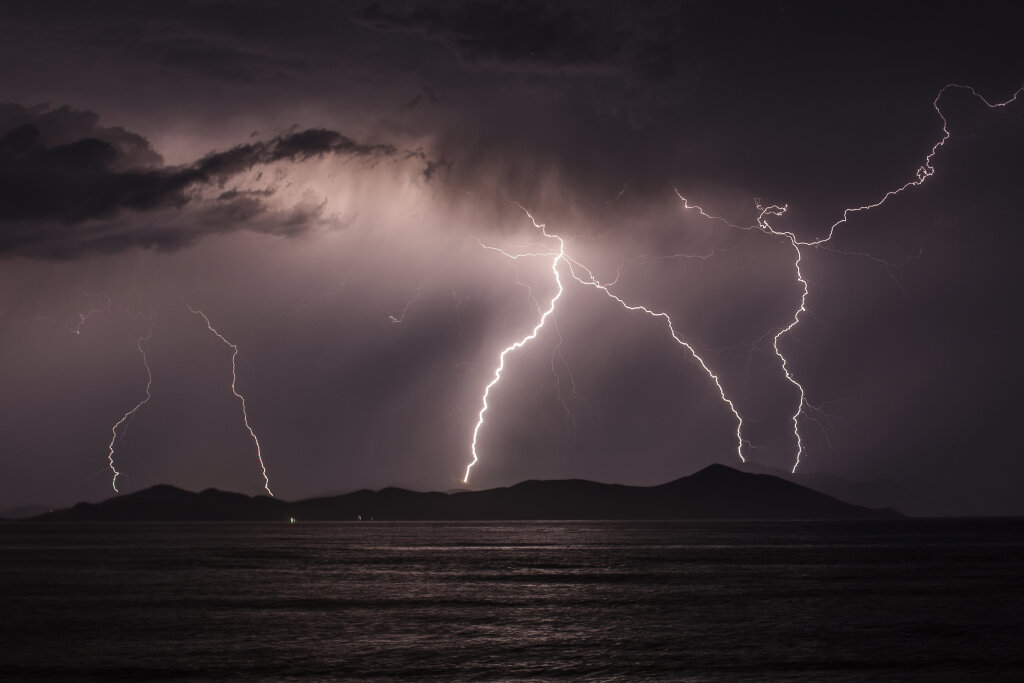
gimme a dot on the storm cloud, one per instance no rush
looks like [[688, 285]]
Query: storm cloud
[[65, 181]]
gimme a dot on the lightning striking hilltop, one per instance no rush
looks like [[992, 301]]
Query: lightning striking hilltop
[[592, 281], [561, 257], [234, 390], [149, 383], [558, 257], [584, 276], [924, 172]]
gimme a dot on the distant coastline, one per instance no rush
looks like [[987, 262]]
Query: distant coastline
[[716, 492]]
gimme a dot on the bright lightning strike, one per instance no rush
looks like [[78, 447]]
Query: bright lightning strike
[[763, 222], [590, 281], [149, 383], [558, 257], [924, 172], [234, 390]]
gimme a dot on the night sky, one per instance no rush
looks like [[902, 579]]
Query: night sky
[[323, 181]]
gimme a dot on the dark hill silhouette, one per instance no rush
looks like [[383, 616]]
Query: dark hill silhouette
[[165, 503], [24, 512], [716, 492], [874, 493]]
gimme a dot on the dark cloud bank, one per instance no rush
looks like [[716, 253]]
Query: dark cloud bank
[[63, 178]]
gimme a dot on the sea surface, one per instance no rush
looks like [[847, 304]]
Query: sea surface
[[914, 600]]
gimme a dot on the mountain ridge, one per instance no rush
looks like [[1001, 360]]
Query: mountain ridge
[[715, 492]]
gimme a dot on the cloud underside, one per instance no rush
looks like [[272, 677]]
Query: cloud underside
[[69, 187]]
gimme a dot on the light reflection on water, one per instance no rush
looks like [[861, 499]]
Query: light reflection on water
[[864, 601]]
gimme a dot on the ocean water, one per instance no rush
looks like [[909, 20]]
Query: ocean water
[[915, 600]]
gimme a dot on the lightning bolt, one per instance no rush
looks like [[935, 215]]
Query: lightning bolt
[[149, 383], [556, 353], [558, 257], [762, 221], [83, 317], [397, 320], [590, 281], [234, 390], [619, 195], [765, 213], [924, 172]]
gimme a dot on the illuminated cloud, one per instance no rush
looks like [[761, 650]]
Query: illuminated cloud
[[65, 180]]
